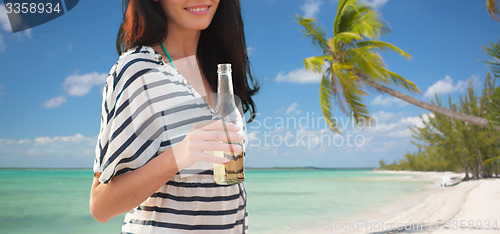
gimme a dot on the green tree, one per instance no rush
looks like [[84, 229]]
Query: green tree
[[350, 62], [494, 104], [448, 144]]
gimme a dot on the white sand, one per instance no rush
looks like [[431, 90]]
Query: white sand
[[469, 207], [480, 211]]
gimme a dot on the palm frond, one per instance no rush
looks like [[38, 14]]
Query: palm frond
[[490, 160], [316, 63], [352, 91], [494, 51], [340, 24], [401, 81], [325, 95], [383, 46], [314, 32], [494, 107], [492, 7], [368, 23], [369, 62], [346, 38], [342, 67], [336, 89]]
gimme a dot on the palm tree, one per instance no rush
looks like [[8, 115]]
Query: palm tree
[[492, 7], [494, 106], [494, 103], [350, 65]]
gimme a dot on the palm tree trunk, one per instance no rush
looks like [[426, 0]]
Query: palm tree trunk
[[496, 169], [424, 105], [464, 164], [475, 174], [479, 159]]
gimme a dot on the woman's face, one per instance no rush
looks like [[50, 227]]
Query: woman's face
[[190, 14]]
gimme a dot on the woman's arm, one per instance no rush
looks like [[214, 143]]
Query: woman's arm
[[126, 191]]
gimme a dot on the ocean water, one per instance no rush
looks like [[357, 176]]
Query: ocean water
[[279, 201]]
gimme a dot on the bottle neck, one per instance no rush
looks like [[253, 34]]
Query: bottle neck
[[225, 83], [225, 94]]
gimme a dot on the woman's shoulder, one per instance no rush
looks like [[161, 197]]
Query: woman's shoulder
[[138, 55], [134, 62]]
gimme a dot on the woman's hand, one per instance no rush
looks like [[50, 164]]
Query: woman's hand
[[211, 136]]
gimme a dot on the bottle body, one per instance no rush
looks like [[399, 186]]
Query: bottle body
[[231, 173], [227, 111]]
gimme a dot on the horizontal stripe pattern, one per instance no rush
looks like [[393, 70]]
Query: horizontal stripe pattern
[[190, 212], [196, 198], [147, 108], [187, 226]]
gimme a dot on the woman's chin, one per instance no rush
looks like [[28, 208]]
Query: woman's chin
[[198, 25]]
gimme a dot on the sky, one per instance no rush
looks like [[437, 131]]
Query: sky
[[51, 80]]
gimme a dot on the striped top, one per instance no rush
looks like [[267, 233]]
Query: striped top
[[147, 108]]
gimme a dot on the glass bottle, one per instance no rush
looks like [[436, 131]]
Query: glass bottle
[[227, 111]]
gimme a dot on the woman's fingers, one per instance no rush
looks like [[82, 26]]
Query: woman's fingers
[[209, 158], [219, 125], [212, 136], [220, 146], [223, 136], [217, 131]]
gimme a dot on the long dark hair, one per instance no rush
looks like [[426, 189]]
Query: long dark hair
[[145, 23]]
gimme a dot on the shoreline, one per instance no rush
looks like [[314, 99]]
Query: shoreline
[[462, 208], [467, 207]]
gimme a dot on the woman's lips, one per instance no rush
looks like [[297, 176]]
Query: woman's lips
[[198, 10]]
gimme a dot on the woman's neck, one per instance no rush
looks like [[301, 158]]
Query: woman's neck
[[181, 43]]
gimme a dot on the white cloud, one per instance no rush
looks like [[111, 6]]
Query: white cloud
[[77, 85], [27, 32], [54, 102], [59, 151], [80, 85], [4, 22], [300, 76], [374, 3], [293, 109], [311, 8], [384, 101], [446, 86], [77, 138], [400, 128], [253, 136], [382, 116], [250, 49], [417, 121], [4, 19], [24, 141]]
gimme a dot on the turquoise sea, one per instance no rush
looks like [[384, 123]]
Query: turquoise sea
[[279, 200]]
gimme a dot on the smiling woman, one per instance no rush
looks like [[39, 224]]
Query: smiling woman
[[156, 127]]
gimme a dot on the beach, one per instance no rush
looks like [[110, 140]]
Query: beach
[[468, 207]]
